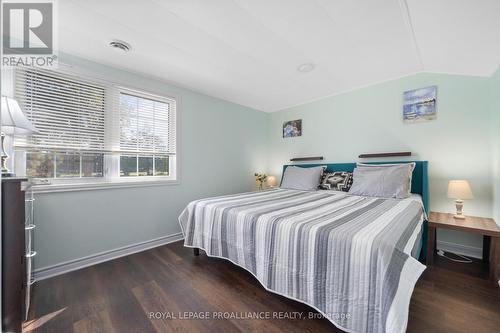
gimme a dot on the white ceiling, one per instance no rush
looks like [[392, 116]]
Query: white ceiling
[[248, 51]]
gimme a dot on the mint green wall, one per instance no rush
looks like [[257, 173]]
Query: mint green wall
[[495, 117], [457, 144], [222, 145]]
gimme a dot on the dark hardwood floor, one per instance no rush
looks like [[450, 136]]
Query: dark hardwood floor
[[117, 296]]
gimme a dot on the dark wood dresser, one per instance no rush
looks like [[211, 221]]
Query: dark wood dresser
[[14, 274]]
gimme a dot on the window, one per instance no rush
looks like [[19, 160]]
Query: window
[[147, 135], [69, 115], [93, 131]]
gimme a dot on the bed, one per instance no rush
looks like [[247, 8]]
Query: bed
[[352, 258]]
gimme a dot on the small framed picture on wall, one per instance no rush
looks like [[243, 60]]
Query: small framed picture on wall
[[292, 128], [419, 105]]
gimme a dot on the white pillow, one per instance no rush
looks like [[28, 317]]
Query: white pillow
[[297, 178], [382, 180], [411, 165]]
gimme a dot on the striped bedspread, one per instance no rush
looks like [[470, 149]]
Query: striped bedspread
[[349, 257]]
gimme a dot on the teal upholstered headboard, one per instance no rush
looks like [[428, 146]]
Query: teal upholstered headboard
[[419, 183]]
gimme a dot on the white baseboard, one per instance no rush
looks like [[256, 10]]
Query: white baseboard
[[72, 265], [469, 251]]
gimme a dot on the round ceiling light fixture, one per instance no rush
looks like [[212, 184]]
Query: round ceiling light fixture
[[120, 45], [306, 67]]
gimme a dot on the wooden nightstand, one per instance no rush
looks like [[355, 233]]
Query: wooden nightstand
[[478, 225]]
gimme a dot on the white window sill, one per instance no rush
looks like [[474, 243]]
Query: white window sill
[[101, 185]]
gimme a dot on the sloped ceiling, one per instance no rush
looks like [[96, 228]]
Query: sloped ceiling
[[248, 51]]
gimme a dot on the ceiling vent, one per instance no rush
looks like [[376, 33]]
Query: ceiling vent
[[306, 67], [120, 45]]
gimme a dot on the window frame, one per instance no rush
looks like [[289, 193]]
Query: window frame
[[111, 160]]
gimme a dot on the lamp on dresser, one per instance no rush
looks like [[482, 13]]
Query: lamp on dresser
[[14, 122]]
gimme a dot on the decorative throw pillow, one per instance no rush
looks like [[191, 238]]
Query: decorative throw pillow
[[337, 181]]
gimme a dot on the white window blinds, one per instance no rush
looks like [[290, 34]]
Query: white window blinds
[[147, 123], [68, 112]]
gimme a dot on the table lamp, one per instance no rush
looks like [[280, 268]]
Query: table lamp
[[271, 181], [459, 190], [14, 122]]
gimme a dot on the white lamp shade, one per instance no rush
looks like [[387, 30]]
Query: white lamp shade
[[271, 181], [14, 122], [459, 189]]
